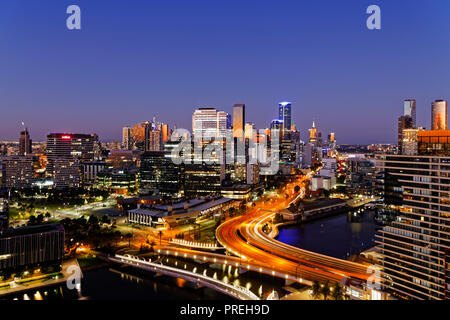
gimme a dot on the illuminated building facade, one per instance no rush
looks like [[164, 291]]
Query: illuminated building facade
[[404, 122], [415, 245], [238, 120], [313, 135], [127, 138], [90, 171], [165, 134], [118, 181], [66, 173], [203, 179], [153, 140], [439, 115], [409, 109], [4, 208], [436, 142], [79, 146], [285, 114], [25, 143], [209, 122], [249, 131], [20, 171], [410, 141], [160, 175]]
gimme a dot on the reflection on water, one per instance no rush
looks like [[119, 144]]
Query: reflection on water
[[123, 284], [339, 236]]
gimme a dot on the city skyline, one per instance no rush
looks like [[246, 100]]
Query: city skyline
[[333, 69]]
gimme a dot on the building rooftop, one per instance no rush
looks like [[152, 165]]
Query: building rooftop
[[31, 230]]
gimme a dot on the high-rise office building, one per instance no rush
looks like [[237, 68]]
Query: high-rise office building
[[249, 131], [238, 120], [63, 145], [284, 114], [160, 175], [203, 179], [439, 115], [66, 173], [209, 122], [409, 109], [139, 135], [313, 134], [25, 147], [404, 122], [410, 141], [19, 171], [152, 140], [127, 138], [65, 154], [416, 243], [331, 144], [165, 132]]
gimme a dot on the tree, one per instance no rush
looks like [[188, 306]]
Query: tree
[[297, 189], [93, 220], [32, 221], [338, 292], [40, 219], [105, 219], [316, 289], [5, 274], [325, 290]]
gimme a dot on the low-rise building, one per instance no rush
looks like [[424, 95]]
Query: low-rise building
[[171, 215], [29, 246]]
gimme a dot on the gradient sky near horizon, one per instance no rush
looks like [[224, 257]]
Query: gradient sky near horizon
[[136, 59]]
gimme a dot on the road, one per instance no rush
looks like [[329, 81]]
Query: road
[[243, 236]]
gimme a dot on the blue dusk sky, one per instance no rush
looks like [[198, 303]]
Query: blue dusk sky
[[135, 59]]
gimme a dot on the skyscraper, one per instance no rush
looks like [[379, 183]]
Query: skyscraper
[[284, 114], [209, 122], [313, 135], [153, 140], [404, 122], [409, 109], [25, 143], [439, 115], [415, 245], [249, 130], [238, 120], [127, 138], [139, 133], [165, 132], [65, 145]]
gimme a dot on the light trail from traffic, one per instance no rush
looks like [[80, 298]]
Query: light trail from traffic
[[243, 236]]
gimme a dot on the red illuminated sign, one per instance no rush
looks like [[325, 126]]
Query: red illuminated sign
[[66, 137]]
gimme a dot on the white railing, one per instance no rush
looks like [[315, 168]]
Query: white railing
[[235, 264], [194, 244], [234, 291]]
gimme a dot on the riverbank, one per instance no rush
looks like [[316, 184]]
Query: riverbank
[[24, 285]]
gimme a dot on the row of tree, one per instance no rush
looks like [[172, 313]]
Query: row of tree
[[325, 291]]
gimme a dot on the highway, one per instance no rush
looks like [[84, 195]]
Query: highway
[[243, 236]]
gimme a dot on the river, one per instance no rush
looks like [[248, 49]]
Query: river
[[339, 236]]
